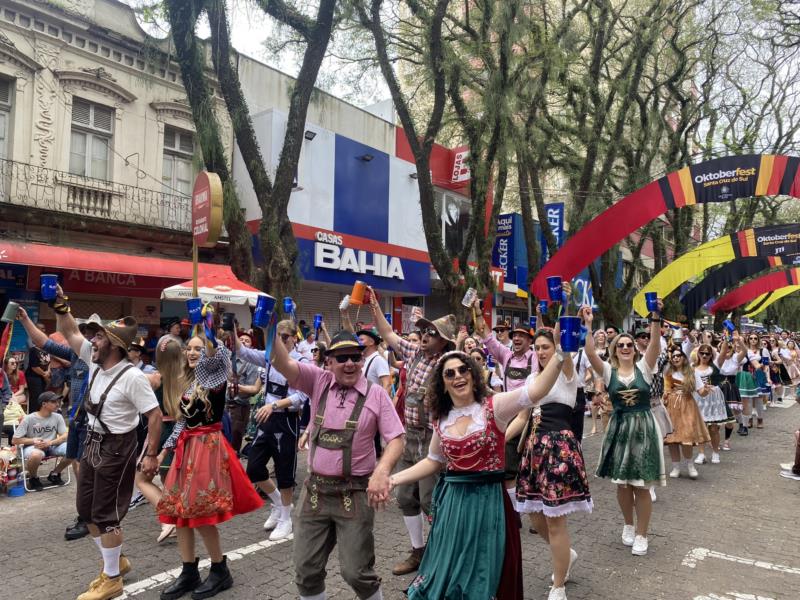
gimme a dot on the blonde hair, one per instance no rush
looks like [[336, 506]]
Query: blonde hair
[[612, 350], [177, 376]]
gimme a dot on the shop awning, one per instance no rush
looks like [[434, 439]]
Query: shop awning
[[60, 257]]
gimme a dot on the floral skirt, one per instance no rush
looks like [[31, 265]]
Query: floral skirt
[[552, 475], [712, 407], [632, 451], [688, 427], [747, 385], [206, 483]]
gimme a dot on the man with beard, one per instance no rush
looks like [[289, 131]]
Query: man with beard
[[415, 498], [345, 479], [518, 363], [116, 395]]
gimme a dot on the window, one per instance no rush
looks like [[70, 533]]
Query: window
[[454, 213], [92, 130], [5, 117], [177, 176]]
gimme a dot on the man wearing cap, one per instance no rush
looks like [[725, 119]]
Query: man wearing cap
[[116, 395], [518, 363], [278, 429], [376, 369], [345, 478], [43, 433], [502, 331], [135, 352], [173, 329], [415, 499]]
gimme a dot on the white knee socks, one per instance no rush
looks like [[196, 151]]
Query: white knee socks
[[414, 526], [275, 496], [111, 560], [512, 493]]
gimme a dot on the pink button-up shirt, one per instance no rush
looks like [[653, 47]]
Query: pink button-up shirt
[[506, 358], [377, 416]]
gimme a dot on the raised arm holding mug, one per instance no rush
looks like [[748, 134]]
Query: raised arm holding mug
[[438, 336], [117, 394]]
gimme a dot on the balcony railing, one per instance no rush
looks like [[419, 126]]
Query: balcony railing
[[37, 187]]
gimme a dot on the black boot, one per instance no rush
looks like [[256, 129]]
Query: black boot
[[187, 581], [219, 578], [77, 530]]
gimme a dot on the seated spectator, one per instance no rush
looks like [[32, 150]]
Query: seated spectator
[[15, 377], [41, 434]]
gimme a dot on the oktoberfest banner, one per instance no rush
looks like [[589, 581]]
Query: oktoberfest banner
[[755, 288], [775, 244], [720, 279], [717, 180], [761, 303]]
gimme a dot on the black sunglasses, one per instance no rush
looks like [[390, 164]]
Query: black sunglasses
[[645, 336], [625, 345], [431, 331], [704, 353], [677, 356], [451, 373], [343, 358], [286, 336], [315, 351]]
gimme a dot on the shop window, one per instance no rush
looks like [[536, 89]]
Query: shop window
[[92, 135], [177, 175], [454, 213], [5, 117]]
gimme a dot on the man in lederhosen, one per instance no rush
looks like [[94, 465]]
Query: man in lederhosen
[[345, 479], [117, 394], [415, 499], [518, 363]]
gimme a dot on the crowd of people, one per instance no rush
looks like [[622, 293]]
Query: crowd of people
[[468, 428]]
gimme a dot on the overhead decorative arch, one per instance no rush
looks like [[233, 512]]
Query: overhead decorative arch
[[720, 279], [761, 303], [757, 287], [716, 180], [774, 243]]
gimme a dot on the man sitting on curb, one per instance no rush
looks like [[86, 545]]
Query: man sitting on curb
[[43, 433]]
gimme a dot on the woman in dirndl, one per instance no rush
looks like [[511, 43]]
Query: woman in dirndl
[[632, 452], [749, 389], [473, 550], [688, 427], [206, 484], [552, 480], [732, 354], [713, 408]]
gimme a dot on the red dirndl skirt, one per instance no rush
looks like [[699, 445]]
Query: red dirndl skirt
[[206, 484]]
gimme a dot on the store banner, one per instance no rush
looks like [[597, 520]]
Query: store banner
[[13, 277], [582, 289], [104, 284], [554, 217], [509, 253]]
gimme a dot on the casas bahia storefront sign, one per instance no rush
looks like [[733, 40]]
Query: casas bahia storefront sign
[[330, 253]]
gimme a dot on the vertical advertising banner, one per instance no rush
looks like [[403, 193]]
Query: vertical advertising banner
[[503, 252], [554, 218]]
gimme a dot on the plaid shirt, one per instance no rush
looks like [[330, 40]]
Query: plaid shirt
[[416, 380]]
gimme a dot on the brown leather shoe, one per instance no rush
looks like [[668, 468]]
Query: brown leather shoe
[[410, 564], [105, 589], [124, 569]]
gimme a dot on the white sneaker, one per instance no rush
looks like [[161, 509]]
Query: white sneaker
[[282, 531], [700, 460], [137, 500], [653, 497], [786, 466], [573, 556], [714, 458], [557, 593], [628, 535], [639, 546], [675, 473], [274, 517], [692, 472]]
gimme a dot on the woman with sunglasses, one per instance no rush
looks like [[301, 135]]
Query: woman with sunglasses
[[688, 427], [713, 408], [552, 480], [632, 452], [473, 549], [749, 382]]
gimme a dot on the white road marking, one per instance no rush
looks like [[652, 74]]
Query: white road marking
[[697, 554], [733, 596], [159, 579]]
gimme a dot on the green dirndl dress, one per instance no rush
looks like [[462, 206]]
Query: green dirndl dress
[[748, 388], [632, 452], [473, 550]]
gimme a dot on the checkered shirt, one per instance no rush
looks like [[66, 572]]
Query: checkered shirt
[[416, 380]]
